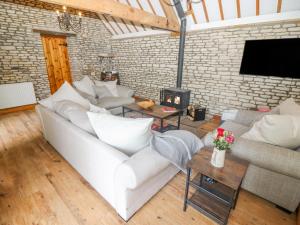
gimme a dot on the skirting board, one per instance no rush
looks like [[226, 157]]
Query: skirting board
[[17, 109]]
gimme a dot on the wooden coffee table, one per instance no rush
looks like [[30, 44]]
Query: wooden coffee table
[[157, 113], [216, 189]]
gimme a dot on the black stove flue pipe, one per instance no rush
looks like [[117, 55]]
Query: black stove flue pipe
[[182, 17]]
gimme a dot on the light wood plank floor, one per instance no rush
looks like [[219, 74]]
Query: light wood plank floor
[[37, 187]]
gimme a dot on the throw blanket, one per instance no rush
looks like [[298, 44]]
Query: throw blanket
[[178, 146]]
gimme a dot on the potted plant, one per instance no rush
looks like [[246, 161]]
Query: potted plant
[[222, 141]]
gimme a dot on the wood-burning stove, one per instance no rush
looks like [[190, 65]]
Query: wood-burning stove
[[178, 97], [175, 97]]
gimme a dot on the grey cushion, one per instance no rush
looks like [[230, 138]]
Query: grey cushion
[[114, 102], [102, 92], [64, 107], [124, 91], [81, 120], [236, 128], [267, 156], [91, 98], [247, 117]]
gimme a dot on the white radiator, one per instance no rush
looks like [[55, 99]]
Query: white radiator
[[18, 94]]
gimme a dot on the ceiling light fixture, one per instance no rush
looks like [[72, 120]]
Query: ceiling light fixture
[[67, 22]]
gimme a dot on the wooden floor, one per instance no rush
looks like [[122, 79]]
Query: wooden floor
[[37, 187]]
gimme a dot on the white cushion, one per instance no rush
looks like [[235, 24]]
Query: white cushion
[[85, 85], [111, 86], [281, 130], [289, 107], [127, 134], [67, 92]]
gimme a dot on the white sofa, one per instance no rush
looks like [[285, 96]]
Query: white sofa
[[127, 183], [111, 103]]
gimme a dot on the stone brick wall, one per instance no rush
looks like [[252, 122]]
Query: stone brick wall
[[21, 51], [212, 63]]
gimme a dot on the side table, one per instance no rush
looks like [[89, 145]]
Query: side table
[[216, 189]]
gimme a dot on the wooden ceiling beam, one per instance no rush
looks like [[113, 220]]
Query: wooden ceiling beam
[[205, 11], [221, 9], [238, 8], [141, 7], [120, 10], [169, 11], [279, 4], [151, 6]]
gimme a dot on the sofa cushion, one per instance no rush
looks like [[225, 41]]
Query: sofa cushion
[[65, 106], [124, 91], [236, 128], [102, 92], [248, 117], [67, 92], [85, 85], [90, 98], [127, 134], [267, 156], [281, 130], [75, 113], [289, 107], [113, 102], [111, 86], [81, 120]]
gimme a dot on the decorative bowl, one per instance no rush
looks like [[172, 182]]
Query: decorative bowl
[[147, 105]]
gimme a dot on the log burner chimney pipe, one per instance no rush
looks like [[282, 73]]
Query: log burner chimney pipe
[[182, 17]]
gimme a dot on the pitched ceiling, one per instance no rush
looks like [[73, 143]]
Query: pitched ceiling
[[201, 14]]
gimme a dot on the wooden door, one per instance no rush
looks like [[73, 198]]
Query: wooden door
[[57, 60]]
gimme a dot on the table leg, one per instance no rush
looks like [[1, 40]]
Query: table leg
[[123, 111], [236, 195], [161, 125], [201, 180], [178, 121], [187, 184]]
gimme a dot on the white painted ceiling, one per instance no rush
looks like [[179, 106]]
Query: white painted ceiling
[[204, 13]]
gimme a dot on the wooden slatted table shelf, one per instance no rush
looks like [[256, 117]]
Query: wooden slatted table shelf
[[215, 189]]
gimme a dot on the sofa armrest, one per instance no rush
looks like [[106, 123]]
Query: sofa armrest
[[281, 160], [125, 91], [139, 168]]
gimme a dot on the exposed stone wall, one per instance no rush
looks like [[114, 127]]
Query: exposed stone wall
[[212, 63], [21, 50]]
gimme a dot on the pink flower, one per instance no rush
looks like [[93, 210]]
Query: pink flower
[[230, 139]]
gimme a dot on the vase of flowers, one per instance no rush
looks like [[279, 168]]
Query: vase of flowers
[[222, 141]]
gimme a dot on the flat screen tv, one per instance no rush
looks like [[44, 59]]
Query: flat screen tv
[[276, 57]]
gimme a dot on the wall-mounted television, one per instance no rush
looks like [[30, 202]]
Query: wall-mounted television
[[276, 57]]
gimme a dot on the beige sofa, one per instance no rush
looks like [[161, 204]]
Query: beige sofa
[[273, 173]]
